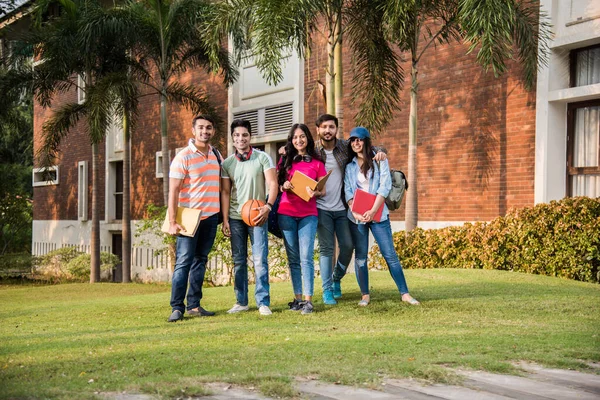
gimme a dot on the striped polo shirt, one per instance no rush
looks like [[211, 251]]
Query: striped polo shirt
[[200, 176]]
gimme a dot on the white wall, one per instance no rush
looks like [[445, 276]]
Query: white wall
[[576, 24]]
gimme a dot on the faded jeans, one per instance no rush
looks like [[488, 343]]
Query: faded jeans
[[382, 232], [299, 238], [260, 251]]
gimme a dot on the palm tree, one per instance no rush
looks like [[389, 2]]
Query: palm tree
[[70, 45], [268, 30], [495, 30], [169, 41]]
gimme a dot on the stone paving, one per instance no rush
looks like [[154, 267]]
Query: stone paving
[[537, 383]]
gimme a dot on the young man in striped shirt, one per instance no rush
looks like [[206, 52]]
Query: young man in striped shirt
[[194, 183]]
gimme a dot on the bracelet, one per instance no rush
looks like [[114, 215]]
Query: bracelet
[[268, 205]]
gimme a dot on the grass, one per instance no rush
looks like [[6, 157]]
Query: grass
[[72, 340]]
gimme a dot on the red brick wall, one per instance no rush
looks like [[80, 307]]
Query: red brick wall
[[476, 134], [59, 202]]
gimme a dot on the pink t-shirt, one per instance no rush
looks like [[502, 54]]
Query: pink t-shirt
[[291, 204]]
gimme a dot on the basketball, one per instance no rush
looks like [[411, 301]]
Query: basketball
[[249, 211]]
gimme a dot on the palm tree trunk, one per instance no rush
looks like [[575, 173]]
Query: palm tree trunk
[[412, 206], [95, 235], [164, 141], [339, 75], [126, 219], [330, 76]]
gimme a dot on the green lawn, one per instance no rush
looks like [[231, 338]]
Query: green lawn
[[56, 339]]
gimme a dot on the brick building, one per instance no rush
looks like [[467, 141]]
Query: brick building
[[485, 144]]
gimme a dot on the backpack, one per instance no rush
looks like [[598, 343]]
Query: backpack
[[399, 186]]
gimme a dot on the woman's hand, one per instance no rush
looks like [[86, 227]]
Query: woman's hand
[[287, 186], [368, 215], [358, 217]]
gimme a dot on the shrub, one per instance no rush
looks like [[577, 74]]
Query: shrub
[[79, 267], [16, 265], [70, 264], [560, 238]]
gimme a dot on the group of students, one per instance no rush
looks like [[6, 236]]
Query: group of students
[[199, 178]]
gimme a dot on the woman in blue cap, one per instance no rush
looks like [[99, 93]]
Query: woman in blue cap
[[362, 172]]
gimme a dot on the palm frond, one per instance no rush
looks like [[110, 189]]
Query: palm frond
[[379, 77], [190, 96], [55, 129]]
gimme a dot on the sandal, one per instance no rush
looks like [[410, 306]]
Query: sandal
[[412, 301]]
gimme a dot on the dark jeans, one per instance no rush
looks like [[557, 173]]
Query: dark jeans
[[190, 264], [334, 224], [382, 232]]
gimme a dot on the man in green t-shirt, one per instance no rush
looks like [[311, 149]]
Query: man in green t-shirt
[[247, 174]]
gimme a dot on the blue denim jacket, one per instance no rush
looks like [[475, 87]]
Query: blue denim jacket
[[380, 182]]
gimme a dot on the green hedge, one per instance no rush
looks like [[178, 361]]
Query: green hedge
[[560, 239]]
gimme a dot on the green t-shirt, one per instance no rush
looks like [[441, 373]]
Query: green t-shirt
[[247, 179]]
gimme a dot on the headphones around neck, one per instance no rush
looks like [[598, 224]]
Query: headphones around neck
[[243, 156], [305, 158]]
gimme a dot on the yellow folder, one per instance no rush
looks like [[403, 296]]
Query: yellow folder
[[188, 218]]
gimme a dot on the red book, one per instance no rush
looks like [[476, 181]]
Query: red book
[[363, 202]]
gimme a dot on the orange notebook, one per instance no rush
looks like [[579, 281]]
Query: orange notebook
[[300, 181], [363, 202]]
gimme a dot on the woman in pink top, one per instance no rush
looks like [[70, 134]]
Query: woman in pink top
[[298, 218]]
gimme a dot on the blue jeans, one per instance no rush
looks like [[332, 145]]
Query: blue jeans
[[260, 251], [334, 224], [191, 257], [299, 238], [382, 232]]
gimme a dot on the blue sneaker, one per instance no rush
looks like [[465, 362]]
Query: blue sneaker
[[337, 289], [328, 298]]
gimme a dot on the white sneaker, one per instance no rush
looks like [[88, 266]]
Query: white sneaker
[[237, 308], [264, 310]]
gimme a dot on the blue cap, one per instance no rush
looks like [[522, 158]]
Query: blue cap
[[360, 132]]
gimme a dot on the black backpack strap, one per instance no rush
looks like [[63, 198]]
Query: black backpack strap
[[217, 154]]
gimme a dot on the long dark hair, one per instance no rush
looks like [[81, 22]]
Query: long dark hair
[[367, 152], [291, 152]]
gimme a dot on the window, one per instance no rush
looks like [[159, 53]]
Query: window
[[45, 176], [118, 189], [82, 191], [585, 66], [159, 168], [269, 120], [583, 161], [80, 88], [115, 134], [159, 161]]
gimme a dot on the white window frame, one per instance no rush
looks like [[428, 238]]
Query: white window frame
[[158, 167], [80, 88], [82, 191], [38, 176]]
